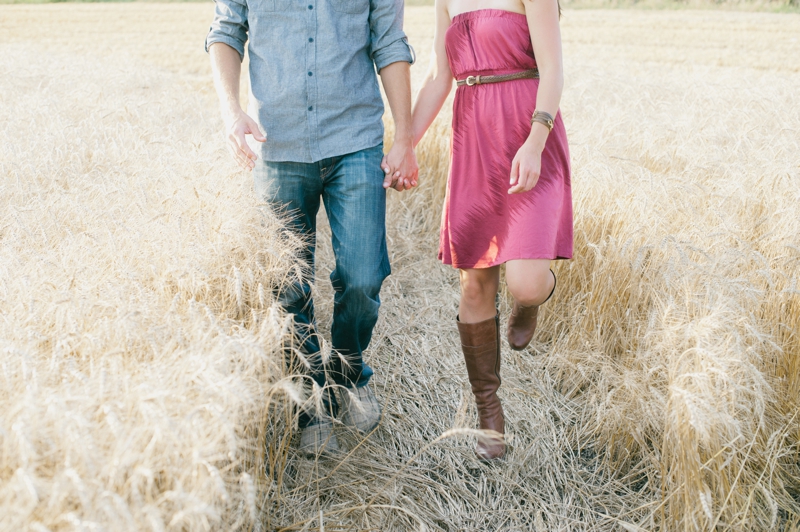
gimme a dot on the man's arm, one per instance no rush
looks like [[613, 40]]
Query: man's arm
[[226, 66], [225, 44], [392, 56], [400, 162]]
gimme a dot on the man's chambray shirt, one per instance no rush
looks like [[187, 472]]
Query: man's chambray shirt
[[314, 89]]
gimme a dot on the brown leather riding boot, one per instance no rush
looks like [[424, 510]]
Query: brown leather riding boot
[[522, 322], [481, 345]]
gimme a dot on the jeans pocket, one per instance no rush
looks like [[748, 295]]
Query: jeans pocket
[[350, 6]]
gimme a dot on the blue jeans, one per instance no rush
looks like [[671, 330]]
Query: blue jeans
[[351, 186]]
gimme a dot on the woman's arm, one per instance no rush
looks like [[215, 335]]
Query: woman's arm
[[438, 81], [546, 38]]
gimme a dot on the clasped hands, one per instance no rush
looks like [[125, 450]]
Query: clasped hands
[[400, 166]]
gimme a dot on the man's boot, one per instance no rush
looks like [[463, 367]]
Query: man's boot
[[481, 345], [317, 437], [522, 322], [360, 408]]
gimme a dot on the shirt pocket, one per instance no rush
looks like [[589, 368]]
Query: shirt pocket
[[260, 6], [350, 6]]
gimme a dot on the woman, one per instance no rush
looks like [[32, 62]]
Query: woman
[[508, 195]]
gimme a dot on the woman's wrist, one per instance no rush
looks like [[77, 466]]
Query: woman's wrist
[[538, 136], [544, 118], [541, 125]]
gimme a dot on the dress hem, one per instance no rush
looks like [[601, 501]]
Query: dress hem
[[498, 263]]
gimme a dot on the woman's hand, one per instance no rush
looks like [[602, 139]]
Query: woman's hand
[[526, 167]]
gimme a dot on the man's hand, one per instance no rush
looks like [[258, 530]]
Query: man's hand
[[238, 127], [400, 164], [226, 66], [526, 167], [400, 167]]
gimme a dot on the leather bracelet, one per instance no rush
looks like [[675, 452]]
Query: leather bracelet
[[546, 119]]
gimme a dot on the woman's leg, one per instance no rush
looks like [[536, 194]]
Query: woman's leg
[[478, 292], [478, 327], [531, 282]]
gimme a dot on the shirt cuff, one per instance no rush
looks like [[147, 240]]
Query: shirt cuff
[[399, 50], [234, 43]]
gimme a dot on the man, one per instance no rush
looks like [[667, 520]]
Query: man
[[317, 113]]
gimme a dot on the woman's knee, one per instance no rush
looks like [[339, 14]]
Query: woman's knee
[[531, 289], [478, 286]]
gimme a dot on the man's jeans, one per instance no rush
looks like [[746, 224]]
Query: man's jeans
[[355, 201]]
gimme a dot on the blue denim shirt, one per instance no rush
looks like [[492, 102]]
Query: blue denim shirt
[[314, 88]]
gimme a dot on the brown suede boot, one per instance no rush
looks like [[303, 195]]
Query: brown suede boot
[[522, 322], [481, 345]]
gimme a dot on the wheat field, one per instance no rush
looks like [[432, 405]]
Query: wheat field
[[142, 385]]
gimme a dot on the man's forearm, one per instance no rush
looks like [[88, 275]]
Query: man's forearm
[[400, 164], [396, 79], [227, 68]]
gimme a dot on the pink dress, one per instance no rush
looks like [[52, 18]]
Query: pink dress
[[482, 225]]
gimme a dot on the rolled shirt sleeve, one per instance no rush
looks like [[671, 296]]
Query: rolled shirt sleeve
[[229, 25], [388, 42]]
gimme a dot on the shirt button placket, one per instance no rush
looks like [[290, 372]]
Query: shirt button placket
[[311, 83]]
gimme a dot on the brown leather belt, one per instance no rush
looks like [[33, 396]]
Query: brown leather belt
[[480, 80]]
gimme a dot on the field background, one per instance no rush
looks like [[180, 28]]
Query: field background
[[140, 375]]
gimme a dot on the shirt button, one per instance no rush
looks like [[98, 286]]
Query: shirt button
[[310, 7], [311, 39], [310, 73], [310, 107]]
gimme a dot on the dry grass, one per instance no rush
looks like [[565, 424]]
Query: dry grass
[[141, 347]]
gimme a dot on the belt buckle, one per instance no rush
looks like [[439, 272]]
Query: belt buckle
[[471, 80]]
